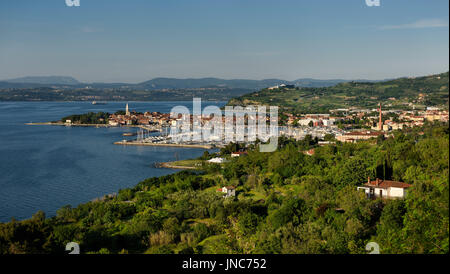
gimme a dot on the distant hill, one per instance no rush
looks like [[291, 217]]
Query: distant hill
[[64, 88], [315, 83], [45, 80], [173, 83], [166, 83], [398, 93]]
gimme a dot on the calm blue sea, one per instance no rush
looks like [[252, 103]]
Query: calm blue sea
[[46, 167]]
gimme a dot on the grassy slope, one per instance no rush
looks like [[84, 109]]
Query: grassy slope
[[306, 100]]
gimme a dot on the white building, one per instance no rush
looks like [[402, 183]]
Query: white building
[[282, 86], [385, 189], [216, 160], [306, 121], [113, 123], [230, 191], [328, 122], [238, 154]]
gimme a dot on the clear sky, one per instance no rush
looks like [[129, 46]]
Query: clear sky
[[136, 40]]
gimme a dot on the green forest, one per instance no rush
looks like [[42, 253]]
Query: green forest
[[88, 118], [286, 203]]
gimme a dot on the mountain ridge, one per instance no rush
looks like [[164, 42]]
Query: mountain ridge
[[169, 82]]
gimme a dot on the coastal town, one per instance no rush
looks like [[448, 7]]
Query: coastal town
[[225, 136], [344, 125]]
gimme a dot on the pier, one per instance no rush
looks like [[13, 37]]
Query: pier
[[135, 143]]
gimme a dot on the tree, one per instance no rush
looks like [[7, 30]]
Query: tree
[[292, 210], [354, 172]]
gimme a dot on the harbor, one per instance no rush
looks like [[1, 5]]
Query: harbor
[[136, 143]]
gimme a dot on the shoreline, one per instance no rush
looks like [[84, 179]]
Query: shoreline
[[64, 124], [169, 165], [163, 145], [90, 125]]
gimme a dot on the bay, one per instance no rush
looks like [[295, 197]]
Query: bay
[[47, 167]]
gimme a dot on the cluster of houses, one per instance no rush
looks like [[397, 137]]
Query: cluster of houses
[[133, 118], [412, 119], [282, 86], [354, 136], [316, 120], [318, 125]]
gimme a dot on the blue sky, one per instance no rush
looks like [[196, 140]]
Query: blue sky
[[136, 40]]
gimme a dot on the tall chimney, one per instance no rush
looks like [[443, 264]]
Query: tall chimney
[[378, 182], [368, 180], [380, 125]]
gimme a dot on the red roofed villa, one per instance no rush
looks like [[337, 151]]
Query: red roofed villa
[[385, 189]]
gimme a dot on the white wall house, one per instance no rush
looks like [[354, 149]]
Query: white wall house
[[385, 189], [229, 191]]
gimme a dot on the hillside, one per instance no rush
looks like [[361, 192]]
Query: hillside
[[398, 93], [286, 203], [173, 83]]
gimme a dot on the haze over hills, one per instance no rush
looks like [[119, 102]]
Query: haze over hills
[[64, 88], [167, 83], [45, 80]]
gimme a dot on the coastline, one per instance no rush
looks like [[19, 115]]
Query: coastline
[[92, 125], [31, 115], [76, 125], [164, 145], [169, 165], [64, 124]]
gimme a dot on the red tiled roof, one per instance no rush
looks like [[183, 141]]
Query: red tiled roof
[[310, 152], [387, 184]]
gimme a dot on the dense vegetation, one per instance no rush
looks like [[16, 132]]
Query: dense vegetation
[[88, 118], [399, 93], [287, 202]]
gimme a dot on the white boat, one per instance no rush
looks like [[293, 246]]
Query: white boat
[[97, 103]]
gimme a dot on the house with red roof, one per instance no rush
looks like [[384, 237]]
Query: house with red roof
[[385, 189], [238, 153]]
